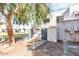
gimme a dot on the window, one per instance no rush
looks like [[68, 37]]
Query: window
[[59, 18], [76, 13]]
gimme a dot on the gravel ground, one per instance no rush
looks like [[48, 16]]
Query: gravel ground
[[48, 49]]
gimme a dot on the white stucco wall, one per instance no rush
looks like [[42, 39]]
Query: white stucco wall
[[52, 34]]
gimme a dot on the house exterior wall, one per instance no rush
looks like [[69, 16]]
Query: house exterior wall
[[53, 20], [69, 14], [16, 27], [54, 15], [72, 26], [52, 34], [66, 14]]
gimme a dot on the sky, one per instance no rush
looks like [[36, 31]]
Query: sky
[[58, 6]]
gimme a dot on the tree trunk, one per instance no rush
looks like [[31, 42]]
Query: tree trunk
[[9, 29]]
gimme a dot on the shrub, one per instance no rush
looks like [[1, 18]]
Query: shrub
[[16, 36]]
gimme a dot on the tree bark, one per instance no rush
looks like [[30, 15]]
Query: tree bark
[[9, 30]]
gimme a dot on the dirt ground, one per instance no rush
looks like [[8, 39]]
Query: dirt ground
[[20, 49]]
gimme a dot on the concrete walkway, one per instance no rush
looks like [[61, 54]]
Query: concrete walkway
[[37, 44]]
